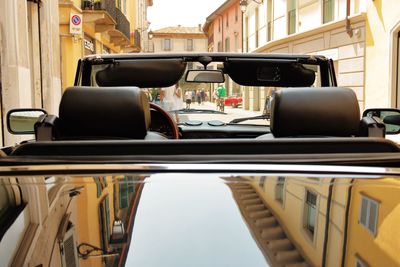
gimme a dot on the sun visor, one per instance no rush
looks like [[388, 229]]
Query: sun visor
[[263, 73], [142, 73]]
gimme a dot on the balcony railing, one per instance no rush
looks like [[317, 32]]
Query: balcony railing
[[123, 24], [106, 5]]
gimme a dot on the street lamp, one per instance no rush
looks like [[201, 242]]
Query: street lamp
[[243, 4]]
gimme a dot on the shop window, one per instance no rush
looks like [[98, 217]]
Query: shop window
[[279, 189], [369, 214], [292, 18], [310, 212], [167, 44], [328, 7]]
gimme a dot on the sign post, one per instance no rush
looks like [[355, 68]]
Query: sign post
[[75, 24]]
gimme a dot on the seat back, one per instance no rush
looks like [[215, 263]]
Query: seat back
[[100, 113], [311, 111]]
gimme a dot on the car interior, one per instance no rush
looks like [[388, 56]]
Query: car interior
[[103, 114]]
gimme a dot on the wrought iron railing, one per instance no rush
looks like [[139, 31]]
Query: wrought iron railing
[[106, 5], [123, 24]]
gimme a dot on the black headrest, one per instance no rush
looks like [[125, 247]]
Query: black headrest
[[104, 112], [312, 111]]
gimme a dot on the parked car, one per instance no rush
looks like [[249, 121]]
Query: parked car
[[113, 180], [233, 101]]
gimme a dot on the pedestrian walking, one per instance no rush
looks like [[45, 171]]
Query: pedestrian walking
[[188, 99], [198, 97]]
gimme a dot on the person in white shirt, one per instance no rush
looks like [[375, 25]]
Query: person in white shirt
[[171, 99]]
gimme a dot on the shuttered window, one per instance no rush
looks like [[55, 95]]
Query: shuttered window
[[279, 189], [310, 211], [369, 214]]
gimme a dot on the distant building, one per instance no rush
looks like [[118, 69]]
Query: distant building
[[182, 39], [224, 31], [179, 39]]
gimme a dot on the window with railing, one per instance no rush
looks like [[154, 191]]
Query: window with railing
[[292, 18], [328, 10], [310, 212]]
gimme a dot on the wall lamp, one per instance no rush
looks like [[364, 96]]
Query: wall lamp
[[243, 4]]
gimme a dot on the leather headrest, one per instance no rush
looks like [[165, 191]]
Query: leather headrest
[[104, 112], [311, 111]]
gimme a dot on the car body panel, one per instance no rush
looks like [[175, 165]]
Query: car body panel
[[203, 215]]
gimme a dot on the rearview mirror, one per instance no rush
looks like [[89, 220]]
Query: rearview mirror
[[22, 121], [389, 116], [205, 76]]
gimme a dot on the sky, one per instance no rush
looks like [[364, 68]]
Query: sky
[[188, 13]]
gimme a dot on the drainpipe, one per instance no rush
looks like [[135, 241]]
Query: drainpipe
[[349, 29], [327, 222]]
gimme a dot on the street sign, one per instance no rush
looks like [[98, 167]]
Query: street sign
[[75, 24]]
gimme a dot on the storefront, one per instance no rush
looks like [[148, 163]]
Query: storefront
[[89, 45]]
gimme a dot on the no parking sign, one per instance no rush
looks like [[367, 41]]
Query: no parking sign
[[75, 24]]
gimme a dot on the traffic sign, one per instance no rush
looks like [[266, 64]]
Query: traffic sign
[[75, 24]]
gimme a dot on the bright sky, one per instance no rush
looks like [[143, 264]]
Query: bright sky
[[187, 13]]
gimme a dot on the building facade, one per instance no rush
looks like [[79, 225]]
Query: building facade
[[224, 31], [143, 24], [333, 28], [179, 39], [29, 58], [108, 26]]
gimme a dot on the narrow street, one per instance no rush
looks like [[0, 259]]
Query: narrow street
[[230, 114]]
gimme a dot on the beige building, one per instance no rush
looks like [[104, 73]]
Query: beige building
[[296, 220], [29, 58], [143, 24], [333, 28], [179, 39]]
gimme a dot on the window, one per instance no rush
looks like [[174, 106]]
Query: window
[[269, 18], [291, 16], [328, 10], [360, 262], [219, 47], [189, 44], [279, 189], [227, 44], [219, 25], [257, 25], [227, 19], [236, 14], [310, 212], [167, 44], [369, 214], [236, 43]]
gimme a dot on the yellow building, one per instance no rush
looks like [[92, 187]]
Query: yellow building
[[373, 224], [108, 26]]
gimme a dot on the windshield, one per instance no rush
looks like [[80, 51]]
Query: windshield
[[225, 101]]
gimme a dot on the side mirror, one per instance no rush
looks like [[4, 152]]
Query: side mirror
[[22, 121], [389, 116]]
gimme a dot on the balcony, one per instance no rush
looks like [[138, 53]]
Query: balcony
[[107, 18], [101, 13]]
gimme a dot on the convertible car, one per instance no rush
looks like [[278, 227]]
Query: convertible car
[[116, 180]]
